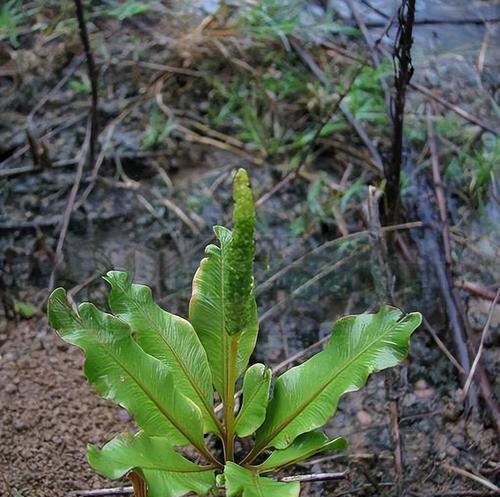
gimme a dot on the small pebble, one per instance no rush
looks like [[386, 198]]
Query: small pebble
[[363, 418], [11, 388], [20, 424], [425, 393], [420, 384]]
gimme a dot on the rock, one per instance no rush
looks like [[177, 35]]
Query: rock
[[364, 418], [11, 388], [420, 384], [20, 424], [422, 391]]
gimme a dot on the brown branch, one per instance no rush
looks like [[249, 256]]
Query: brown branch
[[478, 290], [372, 7], [403, 71], [92, 72], [485, 386], [439, 186], [396, 435], [442, 346], [70, 206], [467, 474]]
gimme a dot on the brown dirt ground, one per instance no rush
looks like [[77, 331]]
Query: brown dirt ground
[[48, 412]]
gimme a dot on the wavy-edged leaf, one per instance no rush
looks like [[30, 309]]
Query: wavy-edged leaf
[[256, 385], [303, 447], [306, 396], [121, 371], [208, 315], [246, 483], [168, 338], [167, 473]]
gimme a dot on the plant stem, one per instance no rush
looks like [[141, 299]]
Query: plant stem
[[229, 400], [251, 456], [84, 36], [403, 71]]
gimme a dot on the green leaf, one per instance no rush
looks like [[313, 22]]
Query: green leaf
[[121, 371], [168, 338], [129, 9], [25, 309], [246, 483], [8, 21], [167, 473], [208, 316], [303, 447], [306, 396], [255, 399]]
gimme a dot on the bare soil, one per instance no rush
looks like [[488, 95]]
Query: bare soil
[[48, 412]]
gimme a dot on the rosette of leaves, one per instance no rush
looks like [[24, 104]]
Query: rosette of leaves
[[167, 371]]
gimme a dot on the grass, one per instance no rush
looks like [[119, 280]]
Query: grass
[[276, 106]]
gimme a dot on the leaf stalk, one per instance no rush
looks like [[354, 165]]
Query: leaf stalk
[[229, 403]]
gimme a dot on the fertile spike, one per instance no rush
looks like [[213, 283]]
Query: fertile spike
[[240, 255]]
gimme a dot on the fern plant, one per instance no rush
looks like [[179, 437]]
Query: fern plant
[[168, 371]]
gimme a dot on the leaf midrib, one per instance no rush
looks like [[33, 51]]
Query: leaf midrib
[[291, 418], [180, 362], [256, 478], [148, 395], [225, 346]]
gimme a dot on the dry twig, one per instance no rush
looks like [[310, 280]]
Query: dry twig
[[70, 205], [442, 346], [479, 479], [84, 36], [480, 348], [478, 290], [455, 108], [439, 186], [403, 71]]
